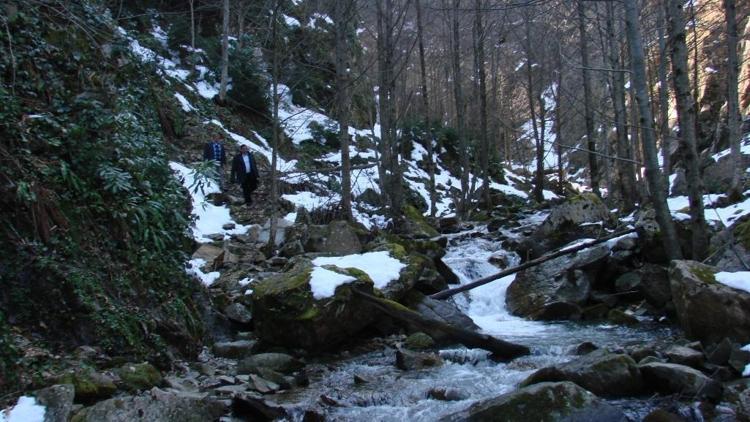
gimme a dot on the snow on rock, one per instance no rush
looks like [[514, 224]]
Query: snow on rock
[[290, 21], [209, 218], [726, 215], [25, 410], [193, 268], [739, 280], [184, 103], [380, 266], [323, 282]]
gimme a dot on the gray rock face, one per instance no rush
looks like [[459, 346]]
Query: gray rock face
[[578, 217], [157, 405], [707, 310], [58, 402], [409, 360], [601, 372], [542, 292], [685, 356], [441, 310], [670, 378], [279, 362], [545, 402], [342, 239], [234, 349], [238, 312]]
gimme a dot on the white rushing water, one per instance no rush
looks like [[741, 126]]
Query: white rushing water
[[393, 394]]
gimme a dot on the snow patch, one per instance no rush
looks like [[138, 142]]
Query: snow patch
[[184, 103], [739, 280], [323, 282], [193, 268], [25, 410], [380, 266]]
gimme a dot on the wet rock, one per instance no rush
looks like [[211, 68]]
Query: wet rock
[[585, 348], [719, 354], [239, 313], [628, 283], [263, 385], [661, 415], [439, 310], [737, 395], [408, 360], [619, 317], [601, 372], [254, 407], [707, 310], [139, 376], [234, 349], [419, 341], [274, 377], [447, 394], [655, 284], [671, 378], [684, 356], [739, 359], [542, 402], [157, 405], [57, 400], [279, 362], [595, 312], [449, 225], [560, 280], [228, 226], [640, 352], [285, 313], [359, 379], [89, 386]]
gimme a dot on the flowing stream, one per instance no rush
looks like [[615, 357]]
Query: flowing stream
[[468, 375]]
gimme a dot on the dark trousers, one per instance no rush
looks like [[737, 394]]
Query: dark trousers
[[247, 190]]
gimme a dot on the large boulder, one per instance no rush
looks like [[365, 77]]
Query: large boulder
[[707, 310], [278, 362], [544, 402], [285, 312], [555, 289], [601, 372], [671, 378], [157, 405], [337, 238], [580, 216], [57, 401]]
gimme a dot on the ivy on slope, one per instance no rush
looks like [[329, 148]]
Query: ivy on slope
[[93, 223]]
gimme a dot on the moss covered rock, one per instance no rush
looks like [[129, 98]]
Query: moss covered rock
[[707, 310], [545, 402], [419, 341], [287, 314], [139, 376], [90, 386], [415, 223]]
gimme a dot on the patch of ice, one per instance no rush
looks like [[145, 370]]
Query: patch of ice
[[207, 90], [380, 266], [290, 21], [739, 280], [323, 282], [25, 410]]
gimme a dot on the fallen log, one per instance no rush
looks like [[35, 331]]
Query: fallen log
[[500, 349], [534, 262]]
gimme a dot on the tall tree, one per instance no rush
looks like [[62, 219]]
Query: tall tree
[[533, 98], [458, 96], [686, 116], [588, 111], [224, 52], [484, 150], [426, 109], [343, 11], [617, 91], [653, 174], [276, 131], [664, 131], [733, 114]]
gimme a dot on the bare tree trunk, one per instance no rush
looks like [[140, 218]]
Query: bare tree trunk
[[460, 106], [275, 71], [192, 24], [426, 106], [694, 19], [733, 114], [559, 123], [625, 168], [224, 53], [588, 111], [484, 138], [342, 16], [686, 117], [653, 175], [530, 88], [664, 132]]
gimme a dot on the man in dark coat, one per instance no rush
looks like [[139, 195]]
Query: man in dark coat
[[245, 172], [214, 151]]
